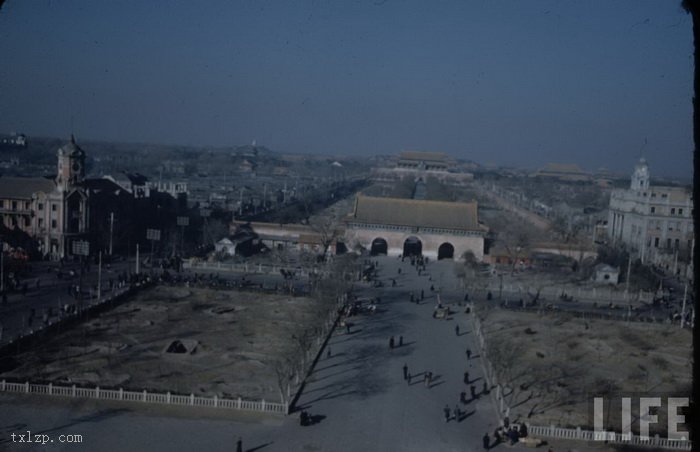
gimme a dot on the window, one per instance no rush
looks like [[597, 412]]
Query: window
[[668, 243], [40, 206], [14, 205], [653, 195], [53, 207], [53, 225], [656, 242], [676, 244], [41, 222], [680, 211], [673, 210], [27, 222], [653, 209]]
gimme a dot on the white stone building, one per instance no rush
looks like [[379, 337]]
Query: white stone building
[[654, 222]]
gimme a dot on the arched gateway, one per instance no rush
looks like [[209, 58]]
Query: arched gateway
[[379, 246], [434, 229]]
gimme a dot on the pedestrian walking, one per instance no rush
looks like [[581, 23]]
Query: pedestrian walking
[[457, 330], [405, 371], [422, 294], [472, 388], [447, 413], [487, 441], [469, 353], [466, 297], [485, 388], [409, 378], [391, 343], [400, 341], [239, 445], [457, 413], [412, 297], [432, 288], [463, 397], [466, 378]]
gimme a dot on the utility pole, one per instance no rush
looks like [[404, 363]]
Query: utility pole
[[685, 293], [240, 202], [627, 281], [111, 231], [99, 278]]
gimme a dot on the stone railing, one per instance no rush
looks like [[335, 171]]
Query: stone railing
[[609, 437], [142, 397]]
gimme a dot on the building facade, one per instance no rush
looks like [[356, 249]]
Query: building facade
[[47, 215], [420, 165], [654, 222], [435, 229]]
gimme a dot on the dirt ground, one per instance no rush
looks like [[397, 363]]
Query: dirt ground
[[556, 364], [233, 340]]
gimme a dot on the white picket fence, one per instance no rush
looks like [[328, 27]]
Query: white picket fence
[[610, 437], [251, 268], [142, 397]]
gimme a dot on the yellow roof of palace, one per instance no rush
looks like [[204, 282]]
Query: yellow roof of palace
[[418, 155], [417, 213]]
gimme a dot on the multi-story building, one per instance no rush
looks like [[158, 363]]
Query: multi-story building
[[653, 222], [52, 214], [421, 165]]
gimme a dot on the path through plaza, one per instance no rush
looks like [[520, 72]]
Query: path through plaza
[[357, 394]]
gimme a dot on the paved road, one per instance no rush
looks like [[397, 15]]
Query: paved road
[[358, 393], [52, 293]]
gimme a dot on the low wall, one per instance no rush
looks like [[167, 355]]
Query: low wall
[[141, 397]]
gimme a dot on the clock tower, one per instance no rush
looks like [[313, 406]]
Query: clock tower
[[71, 165]]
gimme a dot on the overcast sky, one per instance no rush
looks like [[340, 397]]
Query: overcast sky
[[500, 82]]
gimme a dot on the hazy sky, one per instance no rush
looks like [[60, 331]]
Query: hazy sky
[[499, 82]]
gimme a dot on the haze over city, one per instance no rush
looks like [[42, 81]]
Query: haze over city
[[505, 83]]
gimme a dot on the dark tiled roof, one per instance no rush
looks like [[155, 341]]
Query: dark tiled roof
[[429, 156], [102, 184], [417, 213], [24, 187]]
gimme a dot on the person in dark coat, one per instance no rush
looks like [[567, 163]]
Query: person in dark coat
[[466, 378], [391, 343], [422, 294], [457, 330], [473, 391], [487, 441], [448, 413], [400, 341], [469, 353], [405, 371], [463, 397], [239, 445]]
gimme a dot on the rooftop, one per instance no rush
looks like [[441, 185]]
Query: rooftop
[[417, 213], [24, 187], [421, 156]]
